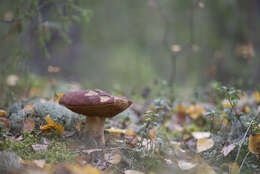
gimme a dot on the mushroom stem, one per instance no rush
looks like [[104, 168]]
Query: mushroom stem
[[94, 131]]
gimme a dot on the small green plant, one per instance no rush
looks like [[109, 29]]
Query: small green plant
[[231, 94]]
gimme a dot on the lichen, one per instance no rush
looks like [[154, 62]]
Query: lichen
[[57, 150]]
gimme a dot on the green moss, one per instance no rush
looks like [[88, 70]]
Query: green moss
[[57, 150]]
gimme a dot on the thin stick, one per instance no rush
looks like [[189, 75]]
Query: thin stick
[[243, 162], [243, 139]]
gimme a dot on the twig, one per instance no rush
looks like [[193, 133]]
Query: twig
[[243, 139], [243, 162]]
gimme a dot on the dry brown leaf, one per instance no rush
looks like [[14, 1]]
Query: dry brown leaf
[[254, 143], [204, 144], [29, 108], [186, 165], [40, 147], [3, 113], [83, 159], [227, 149], [6, 123], [133, 172], [151, 133], [28, 125], [199, 135], [78, 126]]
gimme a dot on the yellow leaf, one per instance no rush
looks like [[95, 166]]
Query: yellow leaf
[[181, 108], [130, 133], [254, 143], [226, 104], [256, 96], [119, 131], [51, 124], [204, 144], [77, 169], [50, 121], [3, 113], [59, 129], [195, 111], [233, 168], [246, 109], [57, 97], [45, 128]]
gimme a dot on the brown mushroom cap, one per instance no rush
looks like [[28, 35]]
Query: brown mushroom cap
[[94, 103]]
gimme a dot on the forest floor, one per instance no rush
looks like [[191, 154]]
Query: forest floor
[[159, 133]]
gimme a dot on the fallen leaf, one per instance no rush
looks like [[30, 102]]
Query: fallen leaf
[[3, 113], [204, 144], [83, 159], [40, 147], [117, 131], [195, 111], [12, 80], [113, 157], [28, 108], [20, 138], [50, 121], [246, 109], [68, 133], [130, 133], [39, 163], [227, 149], [256, 96], [59, 129], [226, 104], [89, 151], [254, 143], [57, 97], [199, 135], [6, 123], [28, 125], [151, 133], [88, 169], [186, 165], [46, 128], [50, 125], [78, 126], [133, 172], [233, 168]]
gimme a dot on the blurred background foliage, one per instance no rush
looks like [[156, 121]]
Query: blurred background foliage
[[127, 45]]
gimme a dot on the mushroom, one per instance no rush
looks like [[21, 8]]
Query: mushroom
[[97, 105]]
